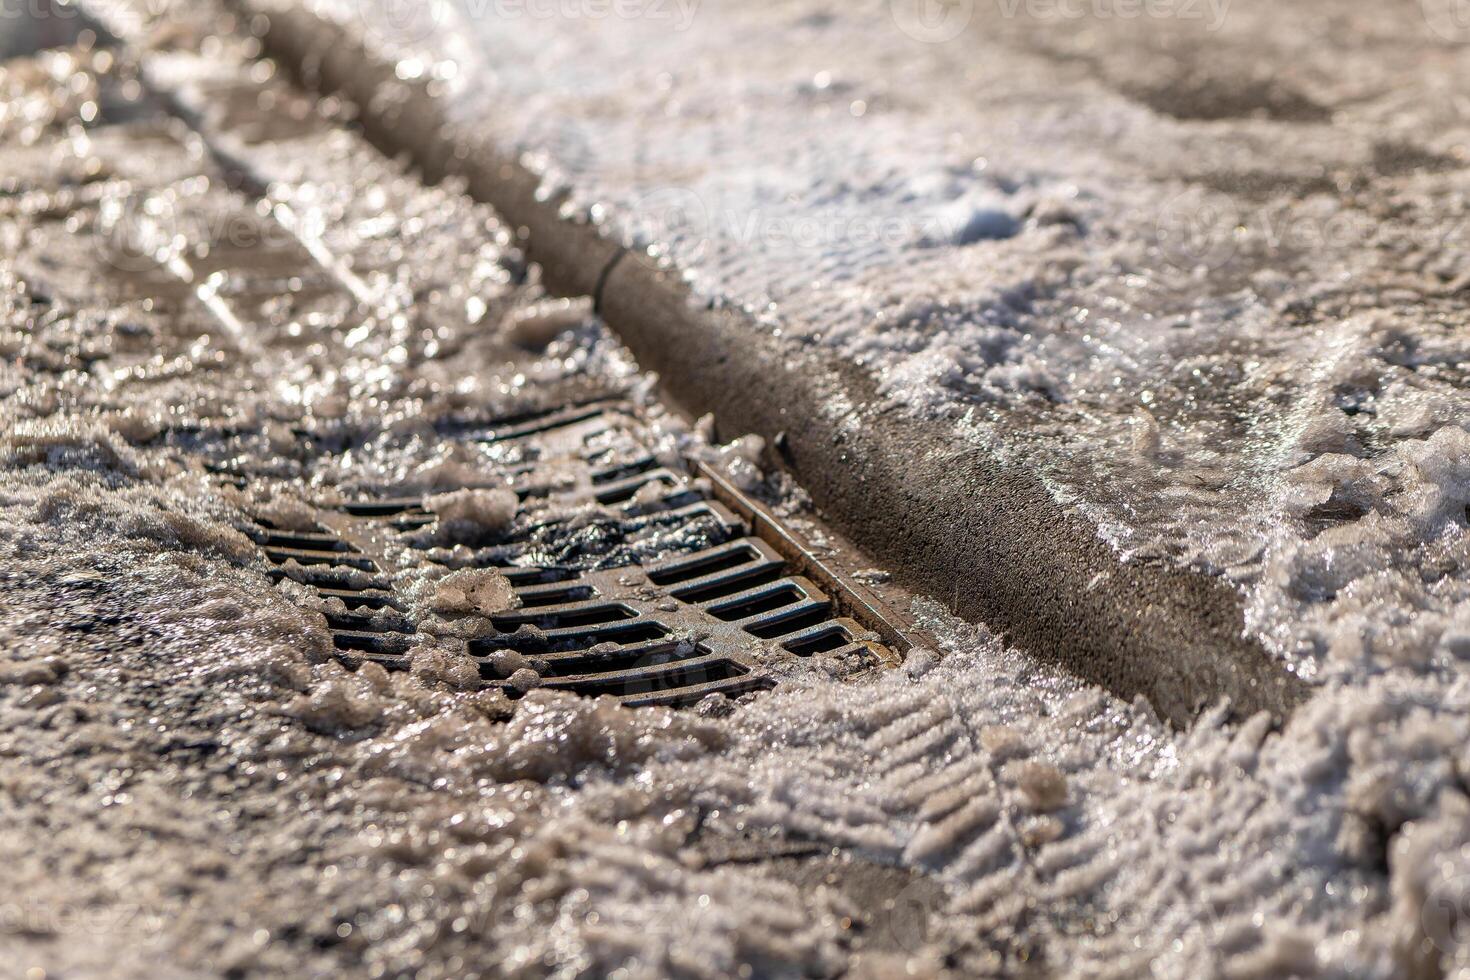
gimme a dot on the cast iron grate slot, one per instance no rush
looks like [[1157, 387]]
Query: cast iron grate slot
[[784, 624], [302, 556], [529, 640], [763, 601], [628, 631], [694, 693], [358, 599], [623, 490], [381, 508], [368, 622], [368, 597], [676, 676], [533, 576], [609, 658], [548, 597], [565, 619], [537, 424], [674, 500], [705, 563], [307, 540], [393, 643], [589, 664], [729, 583], [820, 641], [624, 470], [328, 577]]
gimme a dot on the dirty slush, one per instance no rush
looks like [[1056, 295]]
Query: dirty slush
[[226, 322]]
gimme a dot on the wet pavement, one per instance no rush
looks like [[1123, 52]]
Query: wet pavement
[[348, 578]]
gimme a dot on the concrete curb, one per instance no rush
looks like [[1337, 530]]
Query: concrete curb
[[946, 518]]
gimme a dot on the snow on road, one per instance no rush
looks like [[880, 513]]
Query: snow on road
[[199, 789]]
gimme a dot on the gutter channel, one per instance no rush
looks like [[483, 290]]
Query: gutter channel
[[945, 518]]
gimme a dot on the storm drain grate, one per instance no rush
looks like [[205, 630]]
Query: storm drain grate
[[709, 621]]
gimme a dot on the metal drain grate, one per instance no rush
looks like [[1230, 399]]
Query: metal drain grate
[[673, 631]]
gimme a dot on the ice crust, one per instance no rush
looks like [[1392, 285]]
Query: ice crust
[[196, 787]]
